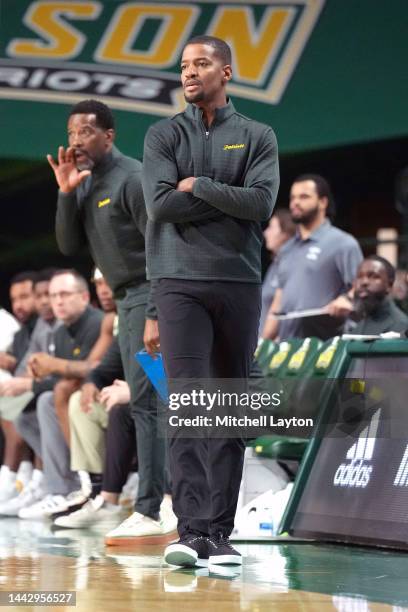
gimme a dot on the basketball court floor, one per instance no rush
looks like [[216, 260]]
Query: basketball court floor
[[282, 576]]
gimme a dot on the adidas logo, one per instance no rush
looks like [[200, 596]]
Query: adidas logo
[[357, 473], [401, 479]]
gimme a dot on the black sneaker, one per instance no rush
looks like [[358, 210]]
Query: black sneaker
[[221, 552], [189, 551]]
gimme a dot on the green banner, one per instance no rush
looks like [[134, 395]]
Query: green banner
[[322, 73]]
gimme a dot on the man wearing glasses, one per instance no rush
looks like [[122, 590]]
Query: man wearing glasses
[[73, 357]]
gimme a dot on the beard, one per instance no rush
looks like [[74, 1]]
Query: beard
[[306, 217], [194, 97], [85, 166], [86, 163], [369, 304]]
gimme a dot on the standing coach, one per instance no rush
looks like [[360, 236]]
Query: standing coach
[[210, 177], [100, 203]]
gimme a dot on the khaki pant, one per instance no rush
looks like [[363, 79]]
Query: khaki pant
[[11, 407], [87, 435]]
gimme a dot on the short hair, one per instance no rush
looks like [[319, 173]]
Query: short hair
[[45, 275], [285, 221], [323, 191], [389, 268], [221, 48], [79, 279], [22, 277], [102, 112]]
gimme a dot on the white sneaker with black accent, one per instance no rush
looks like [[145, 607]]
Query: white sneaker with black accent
[[140, 529], [73, 502], [190, 551], [44, 508], [96, 512]]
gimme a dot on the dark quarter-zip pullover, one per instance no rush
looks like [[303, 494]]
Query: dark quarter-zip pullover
[[214, 233], [108, 213]]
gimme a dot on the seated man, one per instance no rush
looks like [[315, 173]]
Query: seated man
[[42, 338], [16, 395], [372, 300], [101, 420], [94, 411], [88, 418], [8, 327], [74, 342], [23, 307], [73, 372]]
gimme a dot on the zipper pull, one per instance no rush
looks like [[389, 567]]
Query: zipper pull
[[207, 135]]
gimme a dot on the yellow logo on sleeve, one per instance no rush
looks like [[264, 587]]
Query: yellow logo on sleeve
[[103, 202], [76, 351], [229, 147]]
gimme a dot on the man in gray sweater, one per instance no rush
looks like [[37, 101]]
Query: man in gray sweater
[[100, 203], [210, 177]]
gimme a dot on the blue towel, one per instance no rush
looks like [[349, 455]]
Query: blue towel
[[154, 370]]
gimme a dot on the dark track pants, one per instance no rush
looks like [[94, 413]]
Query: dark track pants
[[144, 402], [120, 448], [207, 329]]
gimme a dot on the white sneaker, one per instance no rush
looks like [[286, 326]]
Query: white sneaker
[[8, 488], [94, 512], [73, 502], [30, 495], [138, 529], [44, 508]]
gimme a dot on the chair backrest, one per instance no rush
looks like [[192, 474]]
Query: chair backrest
[[264, 353], [304, 376]]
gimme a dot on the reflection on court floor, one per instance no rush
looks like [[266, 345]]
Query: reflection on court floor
[[278, 576]]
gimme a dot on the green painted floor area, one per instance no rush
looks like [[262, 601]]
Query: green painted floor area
[[368, 573]]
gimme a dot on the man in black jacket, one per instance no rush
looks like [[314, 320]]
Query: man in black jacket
[[100, 203], [372, 301], [210, 178]]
